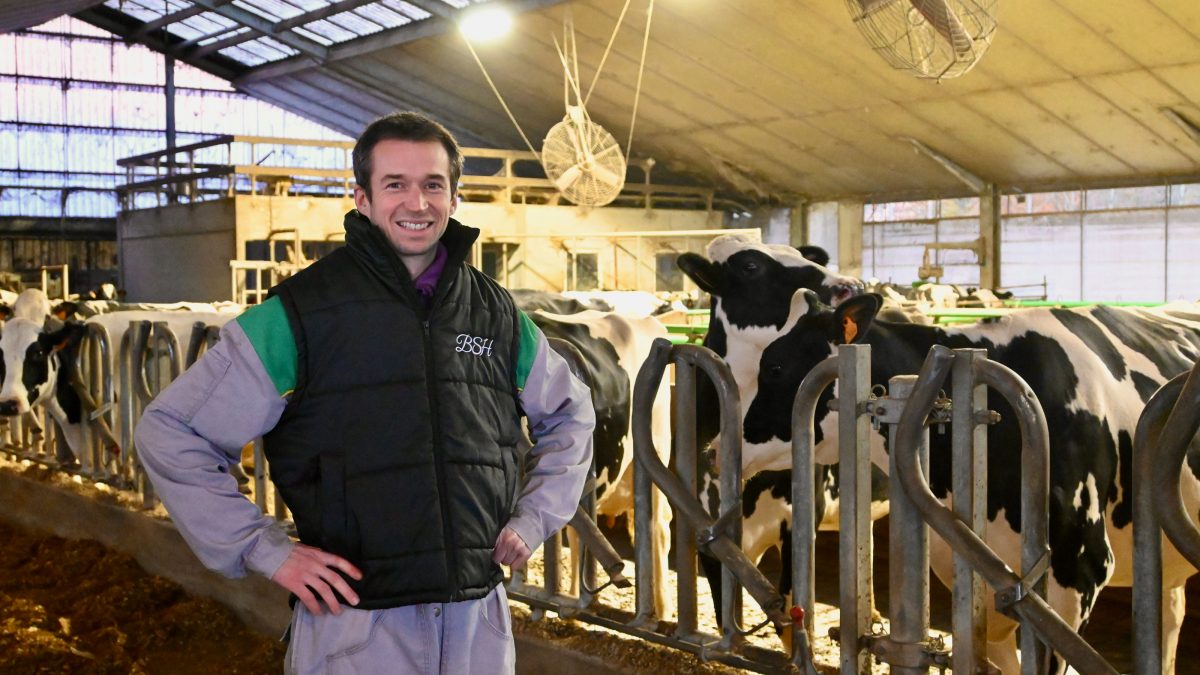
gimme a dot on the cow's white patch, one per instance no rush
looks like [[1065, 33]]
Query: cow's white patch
[[18, 335], [1093, 495]]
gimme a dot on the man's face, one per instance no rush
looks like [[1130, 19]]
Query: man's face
[[411, 198]]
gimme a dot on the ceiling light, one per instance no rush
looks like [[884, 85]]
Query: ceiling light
[[485, 23]]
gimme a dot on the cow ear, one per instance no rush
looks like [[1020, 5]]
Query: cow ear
[[704, 272], [852, 319], [815, 254], [67, 336]]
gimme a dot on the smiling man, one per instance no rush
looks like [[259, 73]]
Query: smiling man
[[387, 381]]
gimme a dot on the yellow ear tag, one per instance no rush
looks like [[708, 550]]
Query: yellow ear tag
[[850, 328]]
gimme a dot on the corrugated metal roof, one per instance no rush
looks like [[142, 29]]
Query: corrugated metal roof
[[769, 100]]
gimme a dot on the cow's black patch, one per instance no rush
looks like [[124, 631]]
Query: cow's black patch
[[611, 394], [1095, 339], [1154, 339], [1144, 385], [1185, 316], [1122, 514]]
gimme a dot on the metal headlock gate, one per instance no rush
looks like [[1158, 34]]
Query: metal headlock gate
[[913, 403], [1165, 432]]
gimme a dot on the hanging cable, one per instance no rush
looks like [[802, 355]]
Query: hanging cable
[[501, 99], [641, 69], [611, 40]]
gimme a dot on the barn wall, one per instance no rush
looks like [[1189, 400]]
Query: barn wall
[[179, 252], [542, 238]]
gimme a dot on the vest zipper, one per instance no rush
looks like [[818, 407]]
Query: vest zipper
[[439, 463]]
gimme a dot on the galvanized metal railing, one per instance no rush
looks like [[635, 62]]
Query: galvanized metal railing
[[1020, 596], [1165, 432], [695, 528]]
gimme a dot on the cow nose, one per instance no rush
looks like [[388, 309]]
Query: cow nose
[[8, 407]]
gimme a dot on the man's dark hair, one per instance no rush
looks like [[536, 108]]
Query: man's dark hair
[[404, 126]]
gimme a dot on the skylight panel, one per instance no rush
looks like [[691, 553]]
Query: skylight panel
[[257, 8], [355, 23], [275, 45], [222, 35], [456, 4], [279, 8], [315, 37], [183, 30], [242, 56], [210, 22], [264, 50], [331, 32], [310, 5], [407, 9], [383, 16], [136, 9]]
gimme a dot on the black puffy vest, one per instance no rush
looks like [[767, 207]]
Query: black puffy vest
[[397, 448]]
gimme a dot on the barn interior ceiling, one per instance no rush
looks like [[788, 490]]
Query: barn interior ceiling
[[772, 102]]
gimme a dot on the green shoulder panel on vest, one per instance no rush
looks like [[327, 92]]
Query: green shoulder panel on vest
[[267, 327], [527, 350]]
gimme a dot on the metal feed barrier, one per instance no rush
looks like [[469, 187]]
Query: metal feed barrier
[[913, 404], [114, 393], [1165, 432]]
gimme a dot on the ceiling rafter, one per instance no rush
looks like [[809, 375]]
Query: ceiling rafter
[[168, 19], [264, 27], [435, 25]]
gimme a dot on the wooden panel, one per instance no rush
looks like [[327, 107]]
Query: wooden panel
[[1060, 148], [1144, 32], [1045, 28], [1098, 120], [1142, 95]]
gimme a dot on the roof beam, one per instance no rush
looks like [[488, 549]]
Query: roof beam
[[280, 27], [1189, 127], [318, 14], [119, 24], [167, 19], [435, 25], [973, 181], [261, 25]]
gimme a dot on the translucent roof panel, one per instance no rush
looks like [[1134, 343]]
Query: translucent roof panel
[[278, 25]]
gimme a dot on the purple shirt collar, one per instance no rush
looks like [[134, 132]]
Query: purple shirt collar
[[427, 281]]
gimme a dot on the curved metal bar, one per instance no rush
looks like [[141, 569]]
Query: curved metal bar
[[1035, 488], [684, 501], [1167, 468], [804, 498], [1147, 531], [164, 334], [140, 330], [195, 342], [1032, 609], [97, 334]]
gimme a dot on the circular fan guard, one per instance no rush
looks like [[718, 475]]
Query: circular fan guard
[[933, 39], [583, 160]]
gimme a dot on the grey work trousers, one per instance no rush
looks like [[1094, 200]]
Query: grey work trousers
[[449, 638]]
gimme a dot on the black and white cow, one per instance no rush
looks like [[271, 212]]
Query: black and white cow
[[613, 347], [1091, 368], [38, 362]]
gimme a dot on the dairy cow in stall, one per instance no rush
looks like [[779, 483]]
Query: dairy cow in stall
[[613, 347], [1092, 369], [38, 360]]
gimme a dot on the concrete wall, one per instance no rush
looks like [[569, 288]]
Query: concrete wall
[[179, 252], [541, 238], [182, 252]]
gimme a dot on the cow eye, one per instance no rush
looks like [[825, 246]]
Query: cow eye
[[749, 266], [774, 371]]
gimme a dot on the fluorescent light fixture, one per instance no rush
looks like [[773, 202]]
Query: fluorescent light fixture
[[485, 23]]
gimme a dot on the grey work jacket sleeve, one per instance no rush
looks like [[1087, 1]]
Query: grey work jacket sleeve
[[187, 439], [561, 422]]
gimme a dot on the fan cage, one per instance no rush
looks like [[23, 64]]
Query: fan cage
[[898, 32], [560, 155]]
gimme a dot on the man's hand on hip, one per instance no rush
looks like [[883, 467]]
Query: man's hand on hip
[[309, 573], [511, 550]]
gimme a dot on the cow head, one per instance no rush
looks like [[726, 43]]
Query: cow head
[[30, 362], [816, 331]]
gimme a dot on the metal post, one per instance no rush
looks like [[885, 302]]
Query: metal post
[[908, 566], [685, 468], [854, 541], [969, 486]]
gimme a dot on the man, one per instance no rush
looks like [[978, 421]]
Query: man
[[387, 380]]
